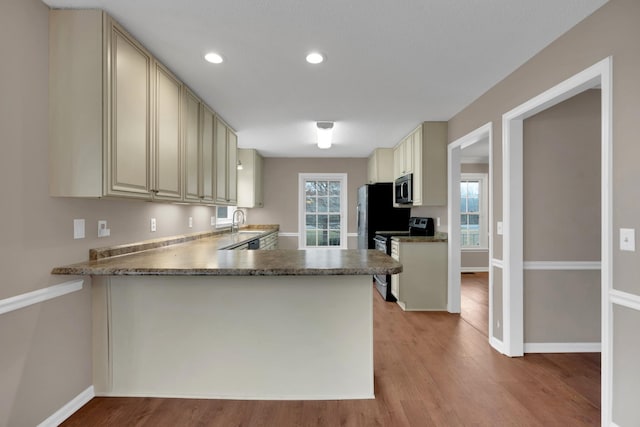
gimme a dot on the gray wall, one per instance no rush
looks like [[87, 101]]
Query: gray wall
[[45, 356], [561, 184], [613, 30], [281, 192]]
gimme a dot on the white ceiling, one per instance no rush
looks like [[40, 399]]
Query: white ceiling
[[390, 64]]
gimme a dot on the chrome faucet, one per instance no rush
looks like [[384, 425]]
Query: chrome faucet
[[236, 225]]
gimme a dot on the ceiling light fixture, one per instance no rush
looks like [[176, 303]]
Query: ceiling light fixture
[[213, 57], [239, 166], [325, 129], [315, 58]]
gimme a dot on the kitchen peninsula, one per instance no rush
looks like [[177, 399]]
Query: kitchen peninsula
[[186, 319]]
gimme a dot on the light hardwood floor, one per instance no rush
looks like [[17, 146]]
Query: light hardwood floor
[[474, 290], [431, 369]]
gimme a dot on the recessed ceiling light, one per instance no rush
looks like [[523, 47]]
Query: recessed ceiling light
[[315, 58], [213, 57]]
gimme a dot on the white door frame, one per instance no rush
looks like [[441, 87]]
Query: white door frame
[[596, 76], [453, 183]]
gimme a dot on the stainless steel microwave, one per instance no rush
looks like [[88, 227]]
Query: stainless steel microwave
[[404, 189]]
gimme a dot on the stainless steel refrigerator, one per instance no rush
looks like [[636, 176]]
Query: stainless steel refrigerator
[[376, 213]]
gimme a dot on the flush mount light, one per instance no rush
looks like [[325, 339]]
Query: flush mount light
[[325, 129], [239, 166], [213, 57], [315, 58]]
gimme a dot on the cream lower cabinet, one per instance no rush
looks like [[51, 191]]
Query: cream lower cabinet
[[250, 194], [270, 241], [422, 285], [226, 160]]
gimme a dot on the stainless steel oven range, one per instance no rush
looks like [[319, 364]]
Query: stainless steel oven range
[[418, 226]]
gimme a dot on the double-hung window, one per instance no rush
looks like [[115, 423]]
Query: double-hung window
[[323, 210], [473, 211]]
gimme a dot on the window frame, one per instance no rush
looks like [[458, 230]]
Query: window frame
[[483, 179], [228, 220], [302, 178]]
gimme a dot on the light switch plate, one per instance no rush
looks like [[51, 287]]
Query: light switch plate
[[499, 228], [190, 222], [78, 228], [628, 239]]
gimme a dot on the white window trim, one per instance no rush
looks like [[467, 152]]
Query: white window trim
[[483, 178], [342, 177], [225, 222]]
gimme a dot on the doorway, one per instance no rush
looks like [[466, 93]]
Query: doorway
[[471, 154], [597, 76]]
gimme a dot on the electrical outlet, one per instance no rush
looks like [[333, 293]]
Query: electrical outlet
[[153, 225], [103, 231], [438, 222], [78, 228], [190, 222]]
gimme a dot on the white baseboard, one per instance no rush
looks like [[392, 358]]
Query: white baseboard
[[563, 347], [288, 234], [474, 269], [238, 397], [497, 344], [69, 409]]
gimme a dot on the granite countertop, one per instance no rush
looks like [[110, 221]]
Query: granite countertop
[[201, 256], [438, 238]]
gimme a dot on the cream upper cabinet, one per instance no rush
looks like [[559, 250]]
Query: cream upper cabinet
[[250, 189], [191, 146], [430, 165], [129, 148], [121, 124], [207, 133], [100, 101], [424, 154], [232, 169], [226, 158], [380, 166], [167, 150], [403, 157]]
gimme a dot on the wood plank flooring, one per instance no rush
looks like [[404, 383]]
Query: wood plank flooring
[[474, 290], [431, 369]]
